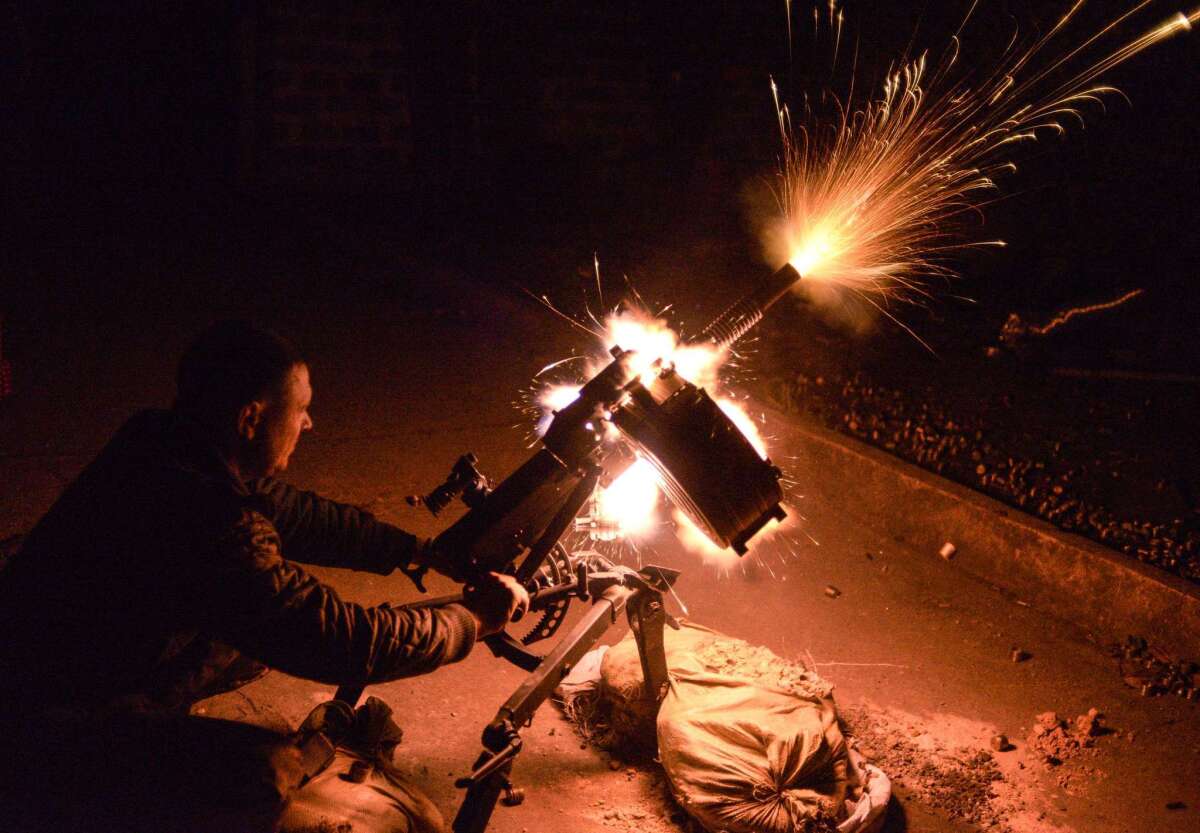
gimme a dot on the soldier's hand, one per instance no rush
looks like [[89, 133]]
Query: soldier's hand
[[430, 557], [495, 599]]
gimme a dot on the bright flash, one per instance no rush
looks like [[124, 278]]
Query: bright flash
[[814, 250], [655, 343], [745, 423], [551, 400], [630, 502], [628, 507]]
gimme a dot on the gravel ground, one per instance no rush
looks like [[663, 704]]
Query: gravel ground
[[1111, 459], [959, 782]]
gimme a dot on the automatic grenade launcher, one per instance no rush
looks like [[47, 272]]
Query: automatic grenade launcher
[[707, 469]]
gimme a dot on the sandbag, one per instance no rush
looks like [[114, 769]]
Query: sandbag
[[750, 742], [360, 790], [384, 802]]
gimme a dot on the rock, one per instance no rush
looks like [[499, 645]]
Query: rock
[[832, 592], [1020, 655], [1000, 743], [1090, 724], [948, 551]]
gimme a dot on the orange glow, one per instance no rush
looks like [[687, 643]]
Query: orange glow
[[630, 502], [656, 343], [724, 559], [629, 506]]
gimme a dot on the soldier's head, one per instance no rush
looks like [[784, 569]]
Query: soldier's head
[[250, 389]]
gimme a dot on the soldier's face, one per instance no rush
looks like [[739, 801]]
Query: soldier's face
[[284, 419]]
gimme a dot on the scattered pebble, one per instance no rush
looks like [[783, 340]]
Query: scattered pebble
[[948, 551], [1062, 477], [959, 782], [1152, 672], [832, 592]]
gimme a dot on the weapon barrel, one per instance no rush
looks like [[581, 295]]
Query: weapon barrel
[[743, 315]]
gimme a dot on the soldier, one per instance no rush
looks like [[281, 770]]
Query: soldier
[[167, 572]]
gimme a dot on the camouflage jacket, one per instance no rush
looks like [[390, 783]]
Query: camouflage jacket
[[157, 547]]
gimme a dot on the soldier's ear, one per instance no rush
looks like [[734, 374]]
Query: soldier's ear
[[249, 418]]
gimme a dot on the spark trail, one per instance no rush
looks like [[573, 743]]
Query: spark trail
[[873, 200]]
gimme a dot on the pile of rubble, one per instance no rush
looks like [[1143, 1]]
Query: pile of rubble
[[762, 666], [960, 782], [1054, 740], [1152, 672]]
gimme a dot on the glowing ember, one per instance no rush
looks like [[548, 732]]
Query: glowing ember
[[870, 202]]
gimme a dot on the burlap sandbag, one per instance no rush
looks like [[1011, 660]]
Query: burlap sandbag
[[360, 790], [749, 741], [382, 803]]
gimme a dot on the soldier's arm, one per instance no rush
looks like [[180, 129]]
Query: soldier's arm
[[316, 530], [272, 610]]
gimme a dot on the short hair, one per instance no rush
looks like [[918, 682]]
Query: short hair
[[229, 365]]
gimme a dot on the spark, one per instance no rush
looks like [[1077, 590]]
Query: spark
[[694, 539], [873, 201], [627, 510], [1015, 329], [1067, 315]]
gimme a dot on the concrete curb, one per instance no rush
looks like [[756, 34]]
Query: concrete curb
[[1068, 576]]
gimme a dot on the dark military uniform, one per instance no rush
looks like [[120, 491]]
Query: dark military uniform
[[158, 578]]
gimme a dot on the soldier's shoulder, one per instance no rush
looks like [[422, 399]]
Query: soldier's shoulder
[[249, 534]]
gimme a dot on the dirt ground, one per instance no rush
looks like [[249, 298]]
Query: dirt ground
[[1110, 457], [414, 363]]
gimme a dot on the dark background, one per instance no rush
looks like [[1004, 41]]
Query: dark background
[[149, 136]]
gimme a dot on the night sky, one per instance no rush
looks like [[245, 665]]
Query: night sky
[[586, 120]]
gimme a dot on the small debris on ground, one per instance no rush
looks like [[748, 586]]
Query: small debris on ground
[[1020, 655], [1055, 740], [957, 781], [948, 551], [1054, 448], [1151, 671], [832, 592]]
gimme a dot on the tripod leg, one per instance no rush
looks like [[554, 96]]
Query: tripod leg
[[480, 801], [647, 616]]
